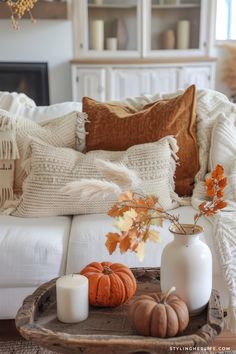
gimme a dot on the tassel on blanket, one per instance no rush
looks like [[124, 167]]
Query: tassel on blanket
[[8, 145]]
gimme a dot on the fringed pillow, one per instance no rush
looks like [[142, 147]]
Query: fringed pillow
[[8, 153], [61, 132], [53, 168]]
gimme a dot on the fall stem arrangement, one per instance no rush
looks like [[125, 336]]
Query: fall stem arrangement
[[18, 9], [136, 215]]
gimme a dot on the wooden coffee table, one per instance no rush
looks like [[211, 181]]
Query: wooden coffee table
[[108, 331]]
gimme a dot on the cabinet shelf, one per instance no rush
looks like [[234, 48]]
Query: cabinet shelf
[[167, 7]]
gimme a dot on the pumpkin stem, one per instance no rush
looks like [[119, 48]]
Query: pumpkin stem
[[167, 294], [107, 270]]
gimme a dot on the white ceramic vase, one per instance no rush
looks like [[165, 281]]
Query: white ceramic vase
[[186, 263]]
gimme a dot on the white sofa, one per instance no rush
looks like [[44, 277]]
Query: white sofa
[[33, 251]]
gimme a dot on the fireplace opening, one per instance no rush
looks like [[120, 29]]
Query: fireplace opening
[[28, 78]]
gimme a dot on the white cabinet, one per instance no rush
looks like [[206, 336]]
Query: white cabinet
[[116, 82], [89, 82], [200, 76], [158, 46], [140, 81], [163, 80], [142, 28]]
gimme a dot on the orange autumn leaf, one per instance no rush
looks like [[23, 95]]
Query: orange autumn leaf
[[222, 183], [126, 196], [218, 173], [116, 211], [125, 244], [210, 187], [112, 240], [220, 204], [220, 193], [151, 201]]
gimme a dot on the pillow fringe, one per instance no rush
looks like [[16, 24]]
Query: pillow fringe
[[6, 193], [8, 145], [81, 119], [8, 148]]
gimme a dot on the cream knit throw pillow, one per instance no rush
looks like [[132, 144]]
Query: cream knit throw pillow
[[53, 168], [61, 132], [8, 152]]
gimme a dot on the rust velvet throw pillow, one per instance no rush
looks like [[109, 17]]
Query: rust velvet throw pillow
[[116, 127]]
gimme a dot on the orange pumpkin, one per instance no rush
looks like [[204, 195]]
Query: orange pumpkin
[[159, 315], [110, 284]]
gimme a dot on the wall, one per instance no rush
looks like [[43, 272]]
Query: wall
[[49, 41]]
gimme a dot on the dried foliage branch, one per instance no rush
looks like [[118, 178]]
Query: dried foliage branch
[[229, 69], [135, 215]]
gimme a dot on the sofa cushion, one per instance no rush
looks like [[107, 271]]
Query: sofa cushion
[[32, 251], [53, 168], [87, 241], [117, 127]]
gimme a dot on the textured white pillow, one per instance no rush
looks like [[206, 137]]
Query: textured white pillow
[[53, 168], [15, 103], [61, 132], [43, 113], [22, 106]]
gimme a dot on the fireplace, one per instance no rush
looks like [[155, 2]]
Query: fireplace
[[29, 78]]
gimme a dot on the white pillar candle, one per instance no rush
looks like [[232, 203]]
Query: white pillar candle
[[97, 34], [72, 298], [111, 43], [183, 34]]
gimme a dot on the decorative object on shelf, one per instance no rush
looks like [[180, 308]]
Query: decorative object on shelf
[[186, 262], [183, 34], [97, 35], [110, 284], [229, 70], [111, 43], [18, 9], [159, 315], [98, 2], [169, 39], [119, 30], [72, 298], [135, 215]]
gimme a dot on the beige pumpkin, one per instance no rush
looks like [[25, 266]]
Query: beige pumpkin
[[159, 315]]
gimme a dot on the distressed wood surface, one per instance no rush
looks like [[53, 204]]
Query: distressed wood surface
[[107, 330]]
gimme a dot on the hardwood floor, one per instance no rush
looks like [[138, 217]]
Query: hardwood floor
[[226, 339], [8, 331]]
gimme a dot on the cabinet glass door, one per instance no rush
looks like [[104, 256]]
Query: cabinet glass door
[[176, 26], [114, 28]]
